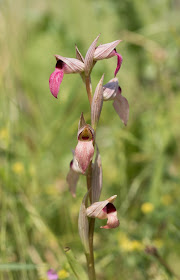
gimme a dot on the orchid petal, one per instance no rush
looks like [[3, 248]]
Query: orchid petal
[[79, 55], [122, 107], [82, 122], [90, 56], [119, 62], [105, 50], [81, 58], [55, 81], [97, 103], [112, 221], [72, 179], [84, 153], [70, 65], [110, 89]]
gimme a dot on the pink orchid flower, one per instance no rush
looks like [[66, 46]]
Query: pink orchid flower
[[104, 210], [64, 65]]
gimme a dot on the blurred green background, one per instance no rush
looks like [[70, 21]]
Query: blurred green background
[[141, 162]]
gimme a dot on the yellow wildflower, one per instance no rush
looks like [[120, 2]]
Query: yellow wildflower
[[18, 167], [136, 245], [166, 199], [63, 274], [147, 207], [129, 245], [4, 134]]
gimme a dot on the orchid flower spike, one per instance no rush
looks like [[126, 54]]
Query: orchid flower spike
[[63, 66], [52, 275], [104, 210], [112, 91]]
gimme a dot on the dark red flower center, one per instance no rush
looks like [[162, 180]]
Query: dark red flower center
[[86, 135], [109, 208], [59, 64]]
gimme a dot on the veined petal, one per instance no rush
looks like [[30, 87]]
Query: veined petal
[[97, 103], [70, 65], [90, 56], [84, 153], [55, 81], [122, 107], [104, 51], [79, 55], [110, 89], [82, 122]]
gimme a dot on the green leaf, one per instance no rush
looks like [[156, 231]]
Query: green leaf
[[77, 269]]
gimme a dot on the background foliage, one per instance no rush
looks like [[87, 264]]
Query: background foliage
[[141, 162]]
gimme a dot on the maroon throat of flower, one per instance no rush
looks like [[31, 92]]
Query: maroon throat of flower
[[86, 135]]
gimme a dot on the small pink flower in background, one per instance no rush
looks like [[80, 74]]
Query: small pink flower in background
[[52, 275], [104, 210]]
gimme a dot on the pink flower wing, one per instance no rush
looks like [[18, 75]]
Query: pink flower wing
[[55, 81]]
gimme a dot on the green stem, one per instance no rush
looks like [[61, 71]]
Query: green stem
[[90, 256], [89, 89]]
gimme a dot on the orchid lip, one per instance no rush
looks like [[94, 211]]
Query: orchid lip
[[55, 80]]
